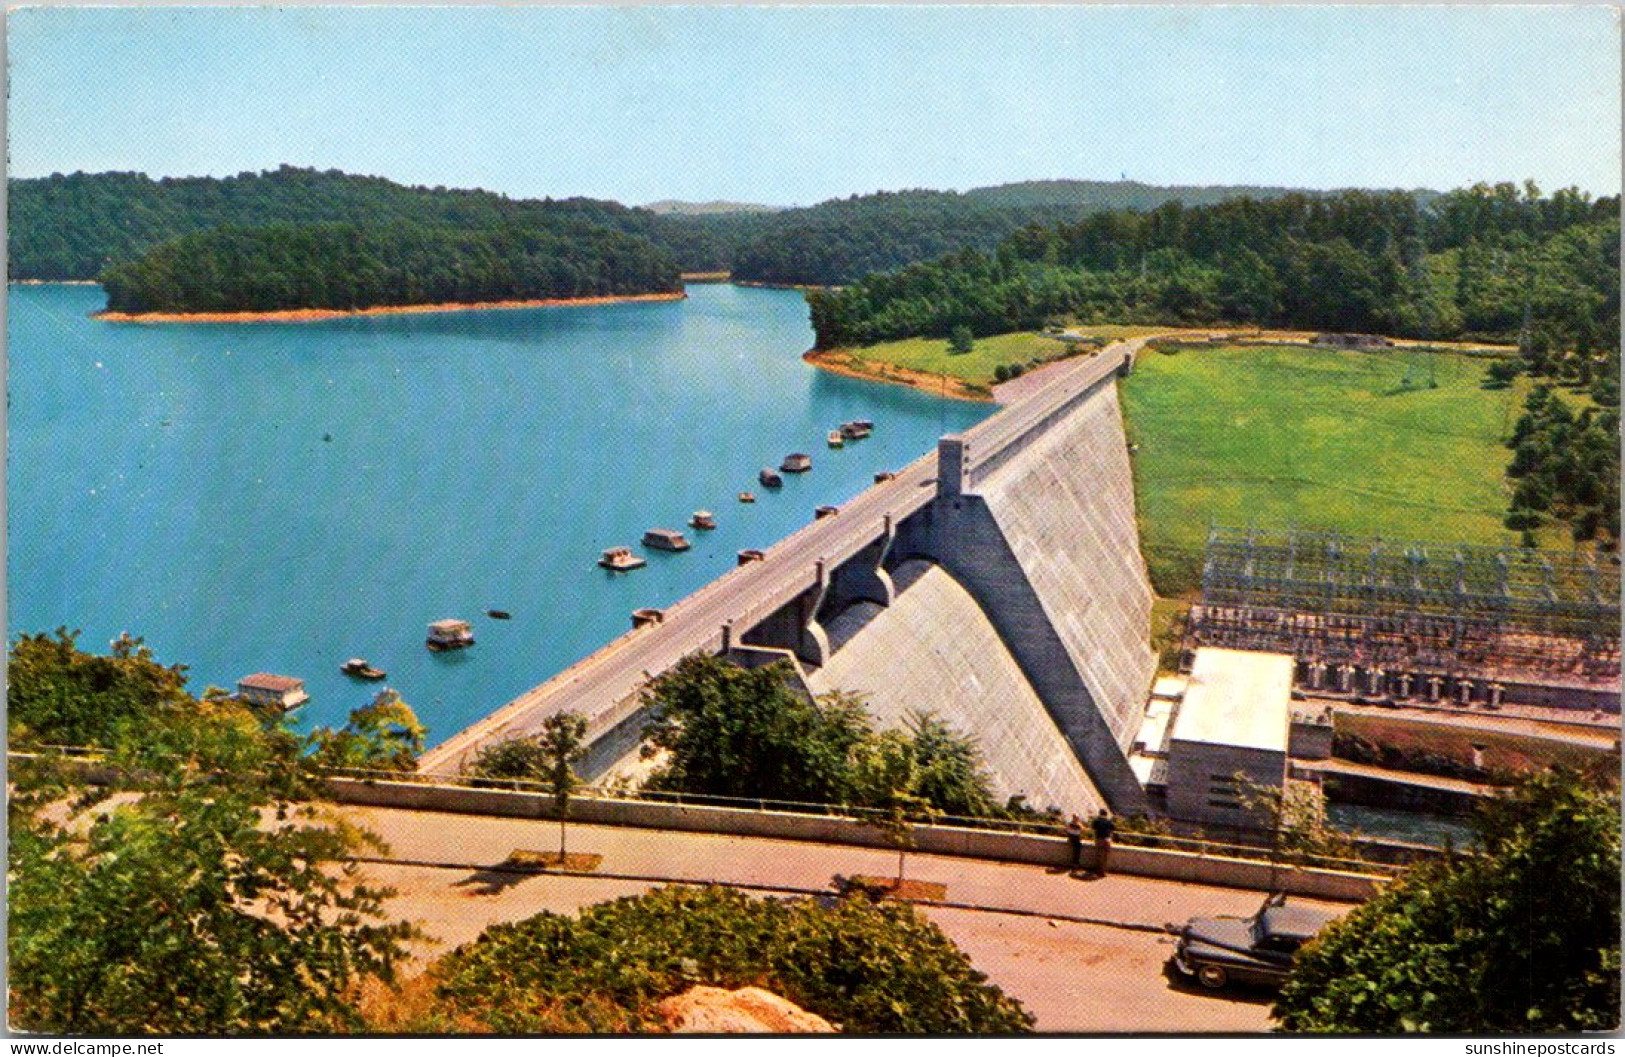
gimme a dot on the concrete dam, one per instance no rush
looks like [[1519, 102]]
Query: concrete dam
[[996, 582]]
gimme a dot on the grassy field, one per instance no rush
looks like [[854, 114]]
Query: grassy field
[[931, 355], [1276, 436]]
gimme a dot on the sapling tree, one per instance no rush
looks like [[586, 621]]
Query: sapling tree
[[562, 743]]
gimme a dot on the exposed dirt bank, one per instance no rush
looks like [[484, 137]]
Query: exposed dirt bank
[[838, 361], [302, 315]]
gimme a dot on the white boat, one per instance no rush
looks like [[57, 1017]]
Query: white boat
[[665, 540], [620, 559]]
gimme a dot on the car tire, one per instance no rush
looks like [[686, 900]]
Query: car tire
[[1212, 977]]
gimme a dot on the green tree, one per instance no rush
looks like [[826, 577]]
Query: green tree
[[952, 776], [961, 341], [562, 747], [731, 731], [384, 735], [1501, 374], [58, 694], [1297, 820], [519, 759], [1520, 935], [205, 900]]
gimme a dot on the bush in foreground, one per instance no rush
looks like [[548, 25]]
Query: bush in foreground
[[865, 967], [1523, 937]]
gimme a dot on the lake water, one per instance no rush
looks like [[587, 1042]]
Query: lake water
[[1411, 827], [279, 497]]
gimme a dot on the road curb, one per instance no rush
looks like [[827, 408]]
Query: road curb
[[752, 886]]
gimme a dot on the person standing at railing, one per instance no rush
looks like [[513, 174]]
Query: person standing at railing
[[1104, 827], [1074, 841]]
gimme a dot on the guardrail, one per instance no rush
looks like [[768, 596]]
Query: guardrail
[[865, 815], [1036, 842], [1045, 827], [1126, 836]]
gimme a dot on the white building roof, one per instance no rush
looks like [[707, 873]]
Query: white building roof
[[1237, 697]]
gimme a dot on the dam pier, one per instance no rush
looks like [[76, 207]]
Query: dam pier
[[996, 581]]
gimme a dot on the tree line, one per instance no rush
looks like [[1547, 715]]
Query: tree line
[[348, 266], [1482, 262], [72, 226], [1565, 466]]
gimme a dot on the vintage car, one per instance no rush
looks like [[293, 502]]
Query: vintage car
[[1257, 950]]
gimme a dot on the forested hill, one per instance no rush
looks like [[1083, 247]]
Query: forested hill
[[71, 227], [348, 266], [1479, 262], [840, 241]]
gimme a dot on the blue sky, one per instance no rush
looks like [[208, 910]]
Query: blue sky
[[794, 105]]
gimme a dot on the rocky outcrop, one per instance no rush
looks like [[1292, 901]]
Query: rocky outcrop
[[747, 1011]]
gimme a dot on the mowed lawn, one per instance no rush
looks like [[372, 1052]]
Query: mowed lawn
[[931, 355], [1321, 439]]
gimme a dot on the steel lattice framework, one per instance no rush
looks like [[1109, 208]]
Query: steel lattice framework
[[1430, 607]]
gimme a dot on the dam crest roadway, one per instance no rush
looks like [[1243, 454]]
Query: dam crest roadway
[[1019, 611]]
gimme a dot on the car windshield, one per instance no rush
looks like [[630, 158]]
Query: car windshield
[[1266, 940]]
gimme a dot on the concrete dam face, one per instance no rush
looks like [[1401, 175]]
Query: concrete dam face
[[1046, 543], [933, 649], [997, 582]]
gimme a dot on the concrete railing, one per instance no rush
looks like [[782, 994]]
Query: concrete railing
[[993, 442], [1036, 849]]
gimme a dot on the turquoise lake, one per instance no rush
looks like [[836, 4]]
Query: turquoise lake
[[279, 497]]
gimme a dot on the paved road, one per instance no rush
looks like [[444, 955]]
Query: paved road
[[1082, 955], [604, 686]]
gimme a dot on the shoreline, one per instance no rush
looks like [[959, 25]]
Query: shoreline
[[306, 315], [759, 285], [842, 362], [52, 282]]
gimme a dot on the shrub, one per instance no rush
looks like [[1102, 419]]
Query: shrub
[[863, 966]]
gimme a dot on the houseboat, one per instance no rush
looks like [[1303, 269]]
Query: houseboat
[[882, 476], [836, 440], [702, 519], [499, 614], [747, 497], [279, 692], [857, 430], [770, 478], [796, 462], [621, 559], [665, 540], [826, 511], [450, 635], [358, 667]]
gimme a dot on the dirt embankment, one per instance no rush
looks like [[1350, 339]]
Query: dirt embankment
[[838, 361], [304, 315]]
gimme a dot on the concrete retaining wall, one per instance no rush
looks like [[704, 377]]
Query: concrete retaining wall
[[940, 840]]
